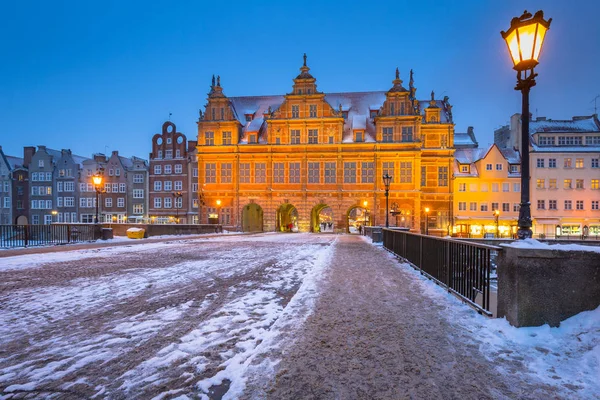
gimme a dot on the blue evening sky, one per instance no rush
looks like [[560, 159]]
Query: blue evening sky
[[97, 76]]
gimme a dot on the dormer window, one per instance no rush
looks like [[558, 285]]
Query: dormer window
[[345, 115], [248, 117], [373, 113], [360, 136], [252, 139], [464, 168]]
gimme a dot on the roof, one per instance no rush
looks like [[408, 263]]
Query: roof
[[463, 139], [14, 162], [469, 156], [511, 155], [576, 125]]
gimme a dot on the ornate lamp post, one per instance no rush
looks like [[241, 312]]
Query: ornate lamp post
[[54, 214], [177, 196], [496, 216], [427, 220], [97, 180], [365, 212], [218, 211], [524, 39], [387, 179]]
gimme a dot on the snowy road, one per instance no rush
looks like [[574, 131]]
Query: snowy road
[[151, 321]]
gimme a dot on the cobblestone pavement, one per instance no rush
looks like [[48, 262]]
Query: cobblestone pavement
[[374, 335]]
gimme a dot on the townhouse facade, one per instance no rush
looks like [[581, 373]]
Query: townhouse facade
[[6, 190], [298, 160]]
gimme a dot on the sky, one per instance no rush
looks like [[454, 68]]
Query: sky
[[98, 76]]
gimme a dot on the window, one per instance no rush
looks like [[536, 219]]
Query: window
[[349, 172], [387, 135], [122, 188], [579, 183], [59, 186], [387, 168], [178, 152], [168, 202], [111, 172], [195, 203], [295, 111], [462, 187], [495, 187], [294, 172], [314, 172], [278, 172], [498, 167], [464, 168], [506, 207], [251, 138], [423, 176], [570, 140], [473, 206], [552, 163], [494, 206], [483, 207], [209, 138], [34, 176], [115, 188], [313, 136], [157, 186], [484, 187], [82, 187], [121, 202], [178, 185], [442, 176], [568, 205], [552, 183], [595, 162], [157, 202], [516, 207], [407, 134], [118, 172], [595, 204], [330, 172], [488, 167], [592, 140], [541, 204], [210, 173], [225, 172], [59, 201], [295, 136], [579, 204], [138, 208], [462, 206], [157, 170], [568, 184], [472, 187], [579, 163], [245, 173], [178, 168], [138, 178], [41, 163], [194, 187], [551, 204], [367, 172], [359, 136], [540, 163], [506, 187], [313, 110], [159, 155], [540, 184], [138, 193], [568, 163], [226, 138], [260, 173], [168, 169], [48, 176], [546, 140], [108, 202], [594, 184], [514, 169]]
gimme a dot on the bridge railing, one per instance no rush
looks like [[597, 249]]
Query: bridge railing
[[42, 235], [463, 268]]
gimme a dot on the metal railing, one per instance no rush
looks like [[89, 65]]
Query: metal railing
[[463, 268], [42, 235]]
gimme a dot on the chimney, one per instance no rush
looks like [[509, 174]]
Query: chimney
[[28, 152], [192, 145]]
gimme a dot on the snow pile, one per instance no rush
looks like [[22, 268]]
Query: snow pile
[[534, 244]]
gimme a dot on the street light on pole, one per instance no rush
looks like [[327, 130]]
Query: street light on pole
[[97, 180], [387, 179], [524, 39], [427, 220], [496, 216], [177, 195], [218, 211], [365, 212]]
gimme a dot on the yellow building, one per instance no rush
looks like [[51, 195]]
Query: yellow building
[[487, 192], [311, 161]]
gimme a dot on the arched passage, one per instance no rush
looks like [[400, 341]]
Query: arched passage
[[252, 218], [22, 220], [287, 218], [357, 218], [321, 218]]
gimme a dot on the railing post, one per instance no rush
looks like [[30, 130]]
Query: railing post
[[421, 254], [448, 260]]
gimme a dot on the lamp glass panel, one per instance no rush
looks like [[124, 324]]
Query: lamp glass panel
[[541, 34], [97, 180], [513, 46], [527, 38]]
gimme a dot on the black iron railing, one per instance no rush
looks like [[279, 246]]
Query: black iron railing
[[463, 268], [42, 235]]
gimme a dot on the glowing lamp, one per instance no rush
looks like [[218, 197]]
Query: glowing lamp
[[525, 38]]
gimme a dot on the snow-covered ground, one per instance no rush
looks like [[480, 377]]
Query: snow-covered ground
[[153, 320]]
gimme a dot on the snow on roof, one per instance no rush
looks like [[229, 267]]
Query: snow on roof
[[511, 155], [359, 122], [254, 125], [14, 162], [463, 139], [469, 156], [576, 125]]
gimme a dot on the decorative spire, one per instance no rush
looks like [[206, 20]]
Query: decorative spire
[[398, 73], [305, 59], [216, 90], [432, 102], [397, 83], [412, 81], [218, 80], [213, 80], [432, 96]]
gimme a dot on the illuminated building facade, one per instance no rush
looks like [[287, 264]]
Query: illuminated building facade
[[308, 160]]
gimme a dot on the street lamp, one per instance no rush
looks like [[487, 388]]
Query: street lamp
[[97, 180], [365, 203], [524, 39], [496, 216], [54, 214], [427, 220], [177, 195], [218, 211], [387, 179]]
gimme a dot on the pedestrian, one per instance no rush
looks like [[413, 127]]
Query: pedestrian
[[360, 229]]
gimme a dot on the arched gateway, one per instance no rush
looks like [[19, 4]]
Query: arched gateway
[[287, 218], [358, 218], [321, 219]]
